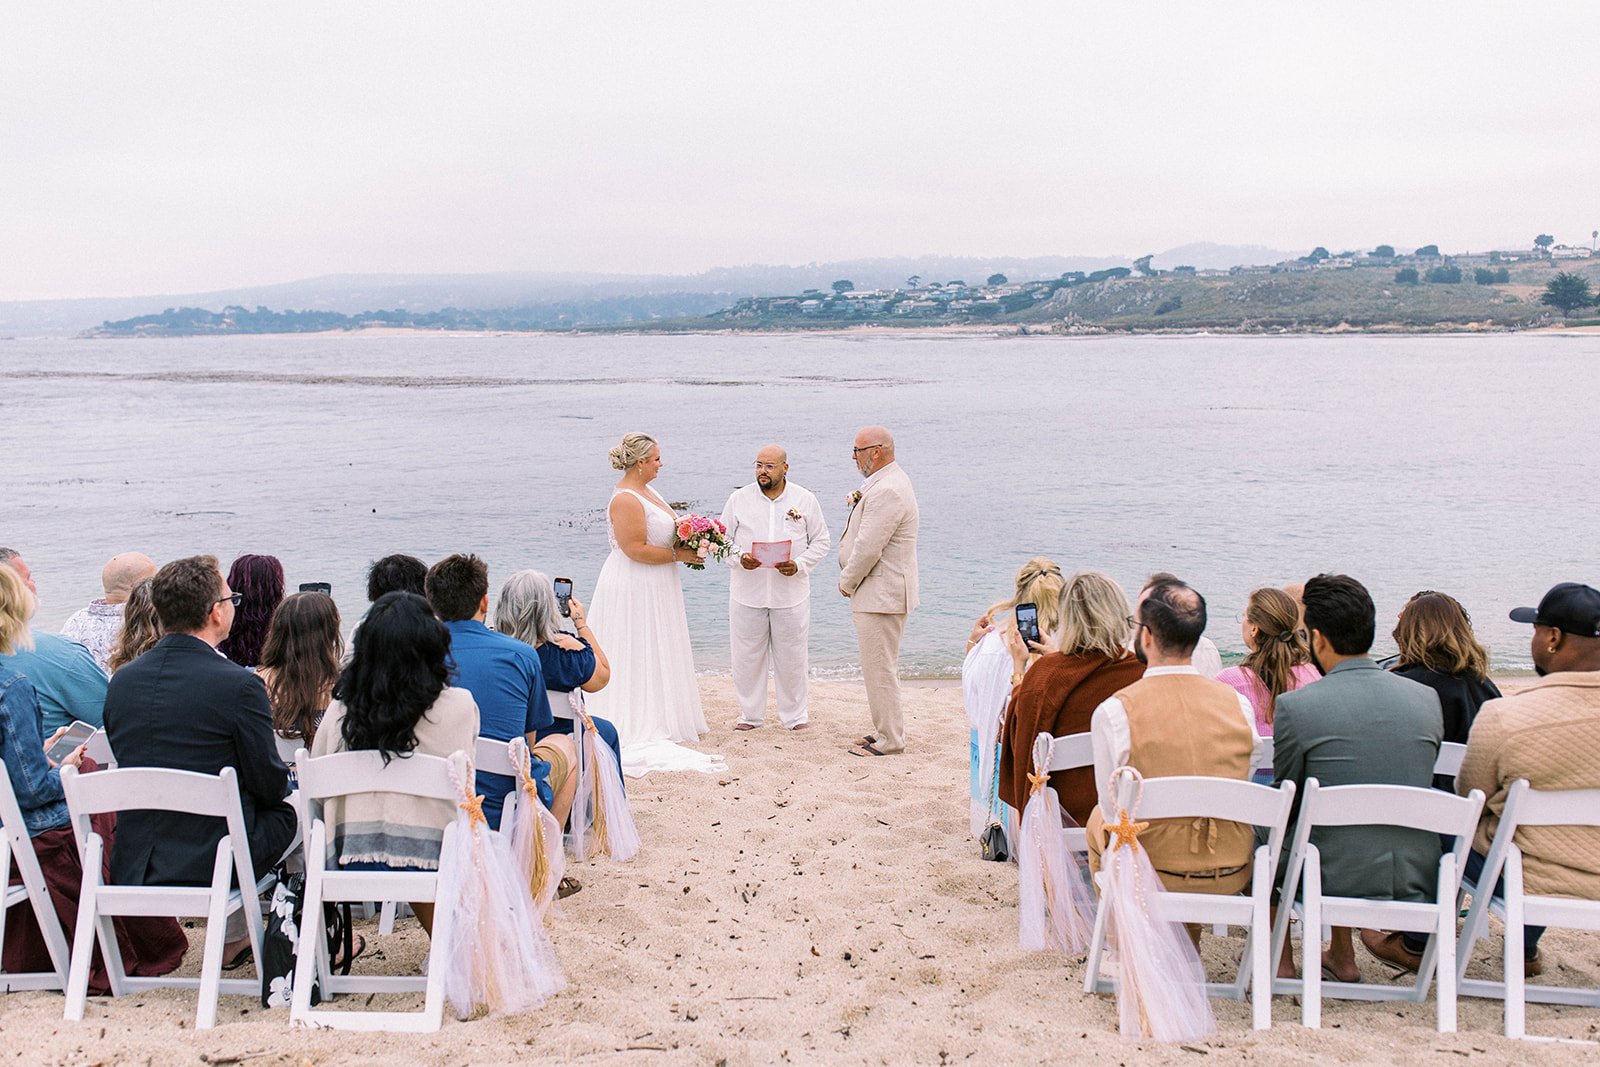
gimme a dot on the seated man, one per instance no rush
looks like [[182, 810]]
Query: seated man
[[96, 626], [505, 678], [1175, 721], [184, 706], [1359, 725], [70, 684], [1549, 734]]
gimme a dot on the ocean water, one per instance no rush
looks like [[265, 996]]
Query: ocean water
[[1464, 464]]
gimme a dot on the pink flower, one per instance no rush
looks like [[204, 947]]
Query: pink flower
[[685, 529]]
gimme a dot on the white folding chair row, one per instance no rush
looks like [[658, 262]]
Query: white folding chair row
[[1526, 807], [15, 844], [343, 774], [1430, 810], [181, 792], [1073, 751], [1234, 801]]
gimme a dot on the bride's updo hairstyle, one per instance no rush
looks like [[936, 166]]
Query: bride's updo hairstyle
[[634, 447]]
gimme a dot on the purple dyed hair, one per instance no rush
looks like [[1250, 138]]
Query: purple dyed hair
[[260, 579]]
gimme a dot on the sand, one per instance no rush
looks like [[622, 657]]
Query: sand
[[806, 906]]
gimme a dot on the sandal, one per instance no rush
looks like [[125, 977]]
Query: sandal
[[358, 948], [569, 885], [866, 739], [1328, 975], [240, 958], [866, 750], [744, 726]]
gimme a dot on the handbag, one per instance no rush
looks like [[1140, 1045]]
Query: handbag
[[281, 938], [993, 845]]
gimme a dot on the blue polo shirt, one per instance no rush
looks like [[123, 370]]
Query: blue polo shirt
[[505, 678], [69, 682]]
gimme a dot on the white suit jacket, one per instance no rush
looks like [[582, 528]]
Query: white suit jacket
[[878, 550]]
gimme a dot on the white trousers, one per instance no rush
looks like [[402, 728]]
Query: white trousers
[[770, 638]]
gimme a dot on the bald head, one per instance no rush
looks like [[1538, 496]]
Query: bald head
[[124, 571], [772, 454], [772, 470], [874, 449]]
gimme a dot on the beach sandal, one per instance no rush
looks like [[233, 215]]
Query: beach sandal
[[569, 885], [1328, 975], [800, 726], [866, 750], [744, 726], [240, 958], [358, 948], [866, 739]]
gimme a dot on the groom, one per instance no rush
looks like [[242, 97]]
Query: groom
[[878, 573]]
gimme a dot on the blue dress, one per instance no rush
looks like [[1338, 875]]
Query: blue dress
[[567, 669]]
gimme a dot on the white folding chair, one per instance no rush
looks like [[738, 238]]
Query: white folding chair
[[494, 757], [1235, 801], [98, 748], [1264, 757], [185, 792], [15, 844], [1072, 751], [1451, 753], [339, 775], [1527, 807], [1431, 810]]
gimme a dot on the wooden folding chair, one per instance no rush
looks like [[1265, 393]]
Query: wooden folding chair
[[15, 844], [185, 792]]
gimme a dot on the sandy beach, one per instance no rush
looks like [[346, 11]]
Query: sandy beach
[[803, 907]]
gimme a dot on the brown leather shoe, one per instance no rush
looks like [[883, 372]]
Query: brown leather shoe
[[1533, 966], [1391, 949]]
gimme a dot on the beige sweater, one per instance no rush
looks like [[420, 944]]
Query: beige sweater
[[393, 828], [1549, 734]]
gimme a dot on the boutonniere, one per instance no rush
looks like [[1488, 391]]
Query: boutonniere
[[853, 499], [795, 516]]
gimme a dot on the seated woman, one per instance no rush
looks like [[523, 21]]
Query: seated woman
[[527, 611], [149, 946], [393, 698], [1278, 662], [1059, 693], [259, 582], [141, 629], [300, 663], [1438, 648]]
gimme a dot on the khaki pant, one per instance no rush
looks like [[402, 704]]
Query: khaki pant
[[878, 639], [1206, 872], [775, 638]]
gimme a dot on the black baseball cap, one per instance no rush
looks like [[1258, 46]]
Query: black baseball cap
[[1571, 607]]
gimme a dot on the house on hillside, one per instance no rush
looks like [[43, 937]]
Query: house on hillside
[[1569, 252], [1336, 263]]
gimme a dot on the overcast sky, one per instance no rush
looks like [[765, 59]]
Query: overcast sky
[[172, 147]]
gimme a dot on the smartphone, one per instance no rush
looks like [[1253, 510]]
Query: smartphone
[[76, 734], [317, 587], [564, 596], [1028, 622]]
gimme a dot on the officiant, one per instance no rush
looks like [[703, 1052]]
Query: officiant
[[779, 535]]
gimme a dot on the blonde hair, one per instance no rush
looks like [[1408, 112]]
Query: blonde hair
[[16, 608], [1435, 632], [1279, 646], [1094, 616], [634, 447], [1038, 583]]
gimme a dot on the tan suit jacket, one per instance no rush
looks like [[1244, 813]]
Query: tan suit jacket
[[878, 551]]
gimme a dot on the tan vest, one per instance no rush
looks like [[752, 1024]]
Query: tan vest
[[1185, 724]]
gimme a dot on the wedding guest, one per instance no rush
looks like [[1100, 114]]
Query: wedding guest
[[1438, 648], [572, 662], [300, 663], [1207, 660], [1060, 692], [1175, 721], [1278, 661], [96, 626], [506, 681], [1549, 733], [69, 683], [395, 573], [141, 629], [183, 706], [258, 580], [769, 608], [394, 697], [148, 946], [1359, 725], [878, 575], [1038, 583]]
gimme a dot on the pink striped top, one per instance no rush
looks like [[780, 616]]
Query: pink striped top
[[1245, 682]]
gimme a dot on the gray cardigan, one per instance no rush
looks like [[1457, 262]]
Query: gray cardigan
[[1361, 725]]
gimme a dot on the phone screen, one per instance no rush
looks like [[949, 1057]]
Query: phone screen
[[316, 587], [1028, 622], [76, 734], [564, 595]]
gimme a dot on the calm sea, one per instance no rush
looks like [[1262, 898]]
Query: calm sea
[[1464, 464]]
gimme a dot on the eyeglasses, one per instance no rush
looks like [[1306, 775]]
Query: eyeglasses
[[233, 598], [767, 466], [863, 448]]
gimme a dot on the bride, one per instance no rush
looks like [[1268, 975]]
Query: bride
[[637, 612]]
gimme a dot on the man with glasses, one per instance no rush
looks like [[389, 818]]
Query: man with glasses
[[878, 573], [183, 705], [769, 594]]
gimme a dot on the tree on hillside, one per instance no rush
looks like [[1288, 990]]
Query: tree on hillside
[[1407, 276], [1489, 276], [1568, 292], [1316, 255], [1383, 252], [1543, 242], [996, 279], [1444, 275], [844, 285], [913, 281], [1142, 265], [1428, 250]]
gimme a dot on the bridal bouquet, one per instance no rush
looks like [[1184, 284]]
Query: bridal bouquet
[[708, 537]]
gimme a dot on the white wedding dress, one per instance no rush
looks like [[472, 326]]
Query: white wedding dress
[[653, 697]]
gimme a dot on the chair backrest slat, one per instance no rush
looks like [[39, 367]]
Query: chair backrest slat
[[156, 789], [1215, 798], [1392, 805], [343, 773], [493, 757], [1071, 752], [98, 748], [1566, 807], [1451, 753]]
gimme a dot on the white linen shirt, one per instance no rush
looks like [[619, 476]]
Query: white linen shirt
[[1108, 731], [750, 517]]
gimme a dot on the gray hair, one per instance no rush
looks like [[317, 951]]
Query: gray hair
[[8, 554], [526, 608]]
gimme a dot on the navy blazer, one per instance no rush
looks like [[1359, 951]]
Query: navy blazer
[[182, 705]]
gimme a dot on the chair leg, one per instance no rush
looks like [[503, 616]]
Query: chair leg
[[1097, 944], [83, 937], [1260, 949], [386, 921], [1311, 944], [311, 931], [1444, 948], [205, 1012], [1516, 980]]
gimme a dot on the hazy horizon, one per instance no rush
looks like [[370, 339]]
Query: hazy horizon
[[193, 148]]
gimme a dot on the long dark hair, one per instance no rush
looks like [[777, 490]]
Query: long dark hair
[[396, 672], [260, 579], [303, 651]]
